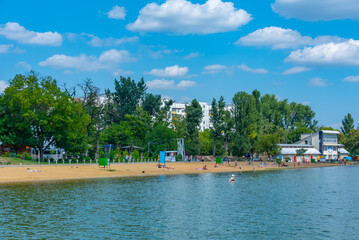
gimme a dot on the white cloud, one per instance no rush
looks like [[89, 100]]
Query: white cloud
[[305, 103], [116, 56], [24, 64], [117, 13], [5, 48], [172, 71], [183, 17], [186, 84], [192, 55], [99, 42], [214, 68], [120, 72], [107, 60], [96, 41], [162, 84], [281, 38], [343, 54], [317, 82], [295, 70], [244, 67], [3, 85], [351, 79], [14, 31], [316, 10]]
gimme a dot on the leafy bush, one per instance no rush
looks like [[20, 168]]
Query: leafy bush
[[179, 157], [7, 154], [59, 160], [52, 160], [46, 159], [29, 158], [135, 155], [18, 156]]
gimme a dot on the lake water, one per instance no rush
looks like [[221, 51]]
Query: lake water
[[318, 203]]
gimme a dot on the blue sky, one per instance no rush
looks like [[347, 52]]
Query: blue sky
[[305, 51]]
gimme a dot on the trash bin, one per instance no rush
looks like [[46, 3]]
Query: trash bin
[[219, 160]]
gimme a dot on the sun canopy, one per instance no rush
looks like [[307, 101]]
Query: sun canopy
[[293, 151], [342, 151]]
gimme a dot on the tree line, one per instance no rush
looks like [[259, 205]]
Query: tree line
[[35, 111]]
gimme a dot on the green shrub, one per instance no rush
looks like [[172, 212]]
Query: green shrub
[[52, 160], [7, 154], [29, 158], [46, 159], [18, 156], [73, 160], [59, 160], [179, 157], [135, 154]]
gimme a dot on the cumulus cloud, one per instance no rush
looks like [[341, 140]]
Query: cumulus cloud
[[317, 10], [351, 79], [172, 71], [5, 48], [183, 17], [317, 82], [107, 60], [162, 84], [192, 55], [344, 54], [14, 31], [244, 67], [214, 68], [3, 85], [99, 42], [117, 13], [23, 64], [96, 41], [295, 70], [120, 72], [281, 38]]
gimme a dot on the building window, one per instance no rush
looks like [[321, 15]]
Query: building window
[[306, 142]]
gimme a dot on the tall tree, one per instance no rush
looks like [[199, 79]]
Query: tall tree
[[193, 120], [127, 95], [244, 109], [51, 114], [268, 144], [152, 104], [348, 124], [217, 120], [93, 105]]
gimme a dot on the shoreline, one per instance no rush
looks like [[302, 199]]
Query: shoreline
[[41, 173]]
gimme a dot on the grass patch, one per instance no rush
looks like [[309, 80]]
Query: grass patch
[[15, 161]]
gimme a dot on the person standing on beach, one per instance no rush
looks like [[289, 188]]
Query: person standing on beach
[[229, 161], [235, 163]]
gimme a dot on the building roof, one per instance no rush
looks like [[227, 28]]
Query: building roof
[[330, 132], [342, 151], [296, 145], [293, 151]]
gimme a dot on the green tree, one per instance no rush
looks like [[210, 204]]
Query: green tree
[[193, 119], [152, 104], [127, 96], [205, 142], [301, 152], [268, 144], [52, 116], [244, 111], [348, 124], [351, 141], [93, 106], [217, 120], [161, 138]]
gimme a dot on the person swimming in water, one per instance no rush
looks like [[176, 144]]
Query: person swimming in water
[[231, 180]]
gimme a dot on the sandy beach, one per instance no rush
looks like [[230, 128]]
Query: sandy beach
[[70, 172]]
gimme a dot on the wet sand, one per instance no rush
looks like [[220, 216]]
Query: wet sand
[[71, 172]]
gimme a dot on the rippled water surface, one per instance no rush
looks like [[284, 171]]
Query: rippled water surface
[[320, 203]]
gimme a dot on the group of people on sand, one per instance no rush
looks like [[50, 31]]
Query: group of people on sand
[[194, 159]]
